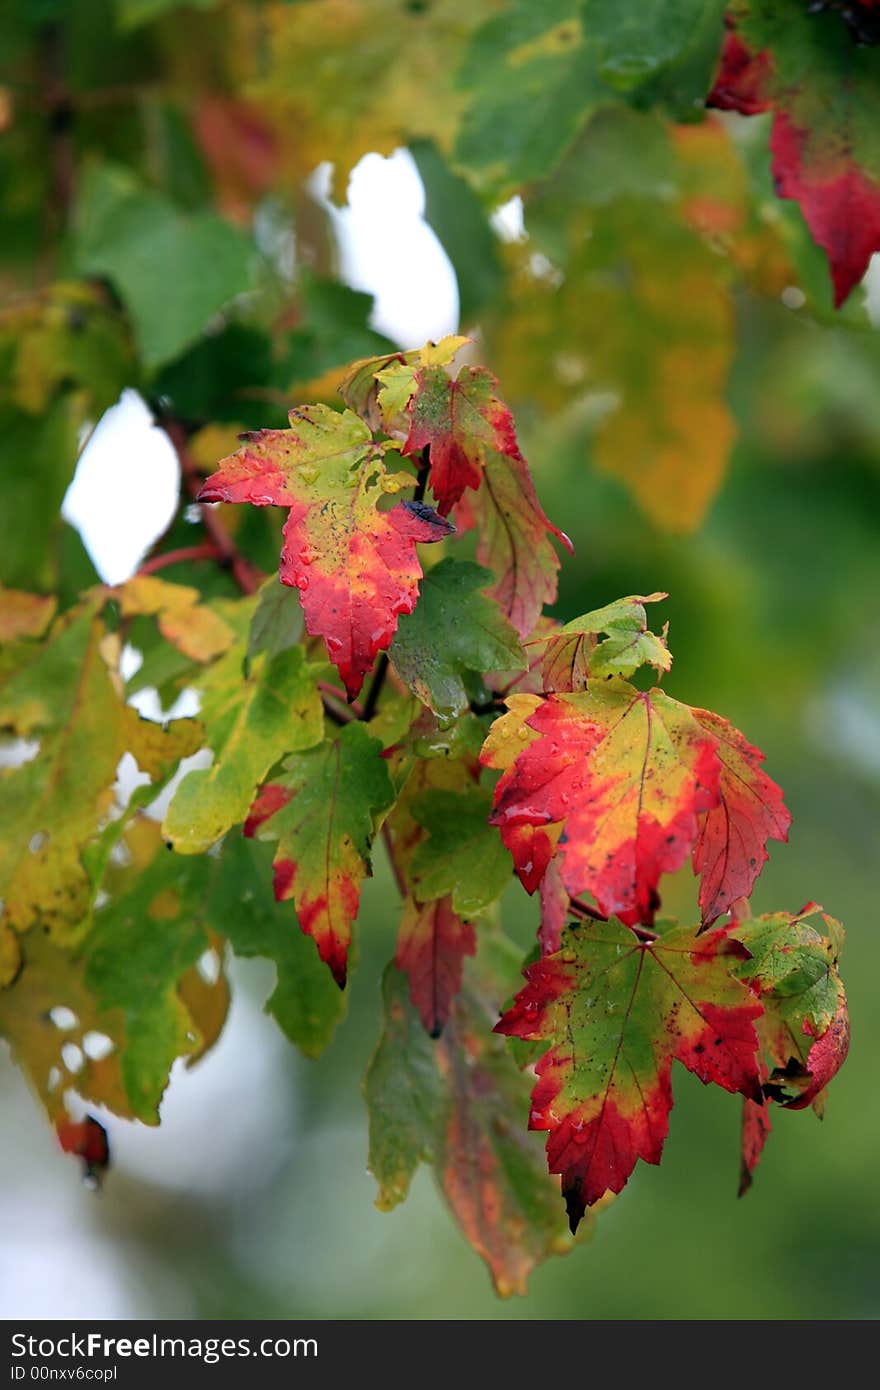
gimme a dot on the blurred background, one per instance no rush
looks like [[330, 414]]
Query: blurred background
[[696, 418]]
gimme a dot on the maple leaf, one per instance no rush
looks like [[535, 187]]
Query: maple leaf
[[731, 848], [432, 943], [460, 853], [513, 539], [323, 809], [194, 628], [24, 615], [614, 783], [355, 566], [460, 422], [822, 90], [454, 636], [804, 1031], [449, 1103], [573, 653], [380, 389], [617, 1012], [250, 724], [67, 693]]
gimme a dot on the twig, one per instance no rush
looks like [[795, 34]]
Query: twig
[[228, 556], [206, 551]]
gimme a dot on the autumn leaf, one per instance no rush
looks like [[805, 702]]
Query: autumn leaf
[[305, 1003], [67, 694], [804, 1032], [354, 565], [454, 637], [616, 1012], [513, 539], [450, 1103], [731, 848], [822, 89], [432, 943], [323, 809], [623, 773], [24, 615], [573, 653], [460, 421], [194, 628], [792, 968]]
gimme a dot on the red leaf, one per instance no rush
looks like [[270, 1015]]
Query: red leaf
[[431, 948], [755, 1133], [87, 1138], [554, 909], [731, 849], [355, 566]]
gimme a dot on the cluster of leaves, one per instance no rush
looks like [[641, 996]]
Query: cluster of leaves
[[154, 159], [112, 947]]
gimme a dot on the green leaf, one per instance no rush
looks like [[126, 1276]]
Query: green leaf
[[250, 724], [305, 1003], [277, 623], [449, 1102], [403, 1091], [173, 270], [142, 944], [538, 72], [463, 854], [37, 457], [454, 633]]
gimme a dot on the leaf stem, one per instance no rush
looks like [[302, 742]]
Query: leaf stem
[[422, 475], [370, 703], [395, 867], [582, 909]]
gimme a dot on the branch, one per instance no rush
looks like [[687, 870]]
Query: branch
[[206, 551], [246, 576]]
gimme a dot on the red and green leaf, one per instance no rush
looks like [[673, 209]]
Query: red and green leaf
[[621, 776], [355, 566], [783, 56], [804, 1032], [616, 1012], [323, 809]]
